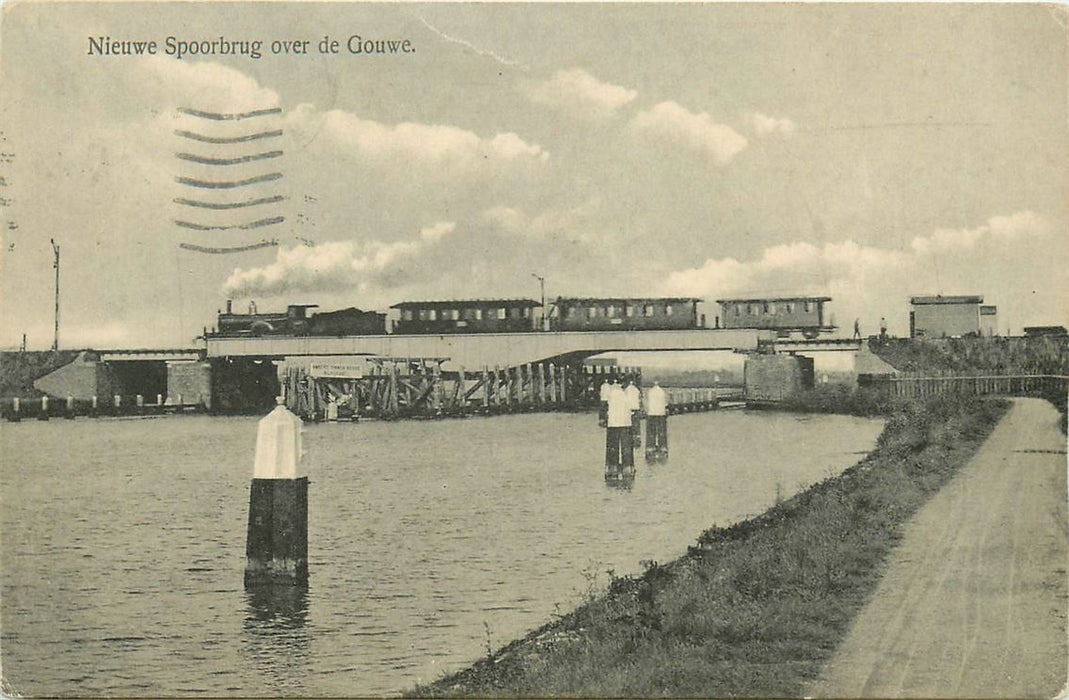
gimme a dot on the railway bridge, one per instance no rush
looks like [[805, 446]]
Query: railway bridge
[[488, 349]]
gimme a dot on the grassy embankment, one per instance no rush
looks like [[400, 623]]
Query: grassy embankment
[[755, 609], [18, 370]]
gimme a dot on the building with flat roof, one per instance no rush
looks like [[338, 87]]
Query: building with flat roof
[[988, 321], [939, 316]]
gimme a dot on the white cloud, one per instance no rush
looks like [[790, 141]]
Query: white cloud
[[997, 259], [583, 94], [433, 233], [697, 132], [581, 223], [334, 266], [1004, 228], [764, 125], [443, 148], [203, 85]]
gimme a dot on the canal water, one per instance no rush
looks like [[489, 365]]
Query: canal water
[[122, 542]]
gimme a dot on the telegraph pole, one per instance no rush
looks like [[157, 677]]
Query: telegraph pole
[[542, 285], [55, 264]]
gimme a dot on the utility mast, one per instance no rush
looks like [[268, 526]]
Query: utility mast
[[55, 264]]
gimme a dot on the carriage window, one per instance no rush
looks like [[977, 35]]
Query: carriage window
[[406, 314], [501, 313], [764, 307], [738, 309], [592, 312], [647, 310], [807, 309], [432, 315], [610, 311], [571, 312], [478, 314], [667, 309], [629, 311], [789, 307]]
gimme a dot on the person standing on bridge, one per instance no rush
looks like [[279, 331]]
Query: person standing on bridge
[[883, 327], [857, 329]]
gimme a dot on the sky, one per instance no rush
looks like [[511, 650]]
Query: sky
[[863, 152]]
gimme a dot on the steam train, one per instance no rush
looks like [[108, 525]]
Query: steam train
[[801, 314]]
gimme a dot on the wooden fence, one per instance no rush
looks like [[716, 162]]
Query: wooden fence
[[917, 384]]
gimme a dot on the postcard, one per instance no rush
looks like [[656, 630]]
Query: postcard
[[362, 349]]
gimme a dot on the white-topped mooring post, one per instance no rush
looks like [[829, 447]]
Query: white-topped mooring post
[[276, 547], [70, 408], [43, 415], [603, 397], [15, 410], [619, 449], [656, 423]]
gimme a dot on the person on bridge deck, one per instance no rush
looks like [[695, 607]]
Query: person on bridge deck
[[857, 329], [883, 327]]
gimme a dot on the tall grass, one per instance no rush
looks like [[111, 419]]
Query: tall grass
[[754, 609]]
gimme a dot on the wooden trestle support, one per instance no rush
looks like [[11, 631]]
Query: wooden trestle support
[[397, 388]]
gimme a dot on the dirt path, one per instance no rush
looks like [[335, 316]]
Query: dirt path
[[974, 601]]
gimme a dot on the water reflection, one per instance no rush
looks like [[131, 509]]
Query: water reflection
[[280, 606], [620, 481], [275, 639]]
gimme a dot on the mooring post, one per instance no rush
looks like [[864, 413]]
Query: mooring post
[[140, 400], [486, 389], [117, 403], [436, 389], [276, 546], [603, 402], [634, 403], [656, 423], [619, 450], [552, 384], [43, 415], [563, 384], [15, 406], [69, 415], [528, 386]]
